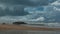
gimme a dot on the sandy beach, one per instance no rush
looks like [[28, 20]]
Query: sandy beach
[[20, 27]]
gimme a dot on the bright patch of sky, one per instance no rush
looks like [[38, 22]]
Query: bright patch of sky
[[49, 9]]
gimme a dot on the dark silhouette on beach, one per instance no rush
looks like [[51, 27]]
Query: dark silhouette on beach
[[18, 23]]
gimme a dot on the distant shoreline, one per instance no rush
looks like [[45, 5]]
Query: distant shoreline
[[18, 27]]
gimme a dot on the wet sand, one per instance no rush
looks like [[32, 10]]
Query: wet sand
[[28, 32]]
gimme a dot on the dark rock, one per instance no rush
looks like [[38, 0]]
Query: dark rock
[[18, 23], [3, 23]]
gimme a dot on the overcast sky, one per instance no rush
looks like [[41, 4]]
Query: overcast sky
[[16, 7]]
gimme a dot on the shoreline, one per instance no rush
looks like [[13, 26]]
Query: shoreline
[[20, 27]]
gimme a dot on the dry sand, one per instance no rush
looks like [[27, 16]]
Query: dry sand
[[18, 27]]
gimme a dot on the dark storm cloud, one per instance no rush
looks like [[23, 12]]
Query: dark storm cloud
[[19, 10], [25, 2], [52, 1], [13, 11]]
